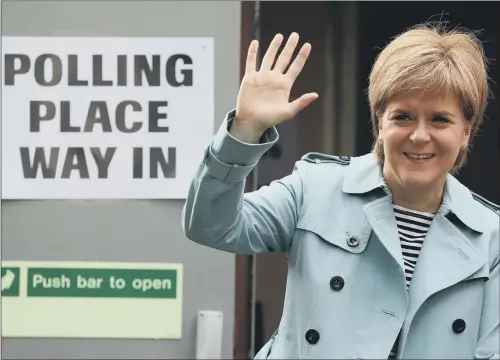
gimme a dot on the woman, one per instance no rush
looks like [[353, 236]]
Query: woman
[[388, 254]]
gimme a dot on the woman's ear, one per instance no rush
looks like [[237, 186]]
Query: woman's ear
[[380, 120], [379, 124], [467, 132]]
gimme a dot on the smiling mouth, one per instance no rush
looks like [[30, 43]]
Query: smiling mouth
[[414, 156]]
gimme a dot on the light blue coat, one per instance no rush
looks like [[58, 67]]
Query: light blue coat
[[333, 217]]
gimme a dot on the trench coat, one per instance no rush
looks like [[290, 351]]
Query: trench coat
[[346, 296]]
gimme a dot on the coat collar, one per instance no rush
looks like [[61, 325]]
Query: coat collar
[[364, 174]]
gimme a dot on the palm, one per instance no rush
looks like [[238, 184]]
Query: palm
[[263, 98], [266, 95]]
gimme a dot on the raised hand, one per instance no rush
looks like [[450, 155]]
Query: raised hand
[[263, 99]]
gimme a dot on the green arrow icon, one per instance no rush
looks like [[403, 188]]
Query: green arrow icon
[[10, 281]]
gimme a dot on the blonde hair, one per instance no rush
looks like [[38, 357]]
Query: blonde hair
[[430, 58]]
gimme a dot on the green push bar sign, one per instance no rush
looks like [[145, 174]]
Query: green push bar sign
[[102, 283], [91, 300]]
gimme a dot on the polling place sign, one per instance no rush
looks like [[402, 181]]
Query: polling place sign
[[91, 300], [93, 118]]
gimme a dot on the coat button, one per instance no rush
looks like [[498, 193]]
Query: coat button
[[458, 326], [312, 336], [337, 283], [352, 241]]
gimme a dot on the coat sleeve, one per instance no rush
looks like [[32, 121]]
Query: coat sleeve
[[488, 346], [219, 214]]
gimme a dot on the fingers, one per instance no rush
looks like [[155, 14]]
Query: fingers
[[286, 54], [268, 60], [302, 102], [299, 62], [252, 57], [283, 59]]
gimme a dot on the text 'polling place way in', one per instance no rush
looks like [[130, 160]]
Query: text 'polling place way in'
[[104, 117]]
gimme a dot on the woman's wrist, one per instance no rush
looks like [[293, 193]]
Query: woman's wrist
[[245, 132]]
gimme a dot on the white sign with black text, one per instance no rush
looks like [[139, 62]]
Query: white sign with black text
[[104, 118]]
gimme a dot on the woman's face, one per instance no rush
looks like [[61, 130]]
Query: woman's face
[[422, 136]]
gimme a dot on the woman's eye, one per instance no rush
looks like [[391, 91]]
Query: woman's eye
[[402, 117], [441, 119]]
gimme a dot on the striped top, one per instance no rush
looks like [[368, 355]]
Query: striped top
[[412, 228]]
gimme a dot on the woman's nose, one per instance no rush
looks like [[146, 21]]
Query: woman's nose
[[420, 133]]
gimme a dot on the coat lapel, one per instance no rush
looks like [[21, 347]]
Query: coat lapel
[[447, 257], [364, 175], [380, 215]]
